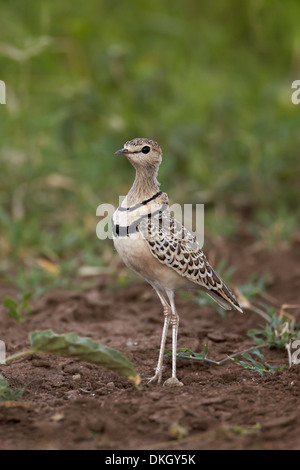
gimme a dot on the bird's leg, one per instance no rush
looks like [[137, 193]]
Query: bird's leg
[[175, 324], [158, 370], [167, 316], [173, 381]]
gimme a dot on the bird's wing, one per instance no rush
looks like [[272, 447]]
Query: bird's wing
[[173, 245]]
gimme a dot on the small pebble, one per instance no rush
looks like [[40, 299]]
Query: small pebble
[[76, 377]]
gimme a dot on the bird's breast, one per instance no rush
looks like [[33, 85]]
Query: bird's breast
[[134, 250]]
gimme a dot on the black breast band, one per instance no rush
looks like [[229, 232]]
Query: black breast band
[[126, 230], [139, 204]]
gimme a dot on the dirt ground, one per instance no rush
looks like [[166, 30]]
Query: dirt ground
[[69, 404]]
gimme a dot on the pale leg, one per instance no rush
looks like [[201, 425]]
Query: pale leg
[[167, 316], [173, 381]]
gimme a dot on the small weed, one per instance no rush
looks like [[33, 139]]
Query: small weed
[[6, 393], [255, 285], [278, 332], [186, 353], [18, 310], [251, 364], [256, 366]]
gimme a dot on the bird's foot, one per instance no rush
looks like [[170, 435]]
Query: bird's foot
[[156, 377], [173, 382]]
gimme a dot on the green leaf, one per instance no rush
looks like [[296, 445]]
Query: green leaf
[[3, 384], [10, 303], [16, 310], [12, 307], [86, 349], [258, 353], [186, 353], [6, 393], [27, 296], [256, 366]]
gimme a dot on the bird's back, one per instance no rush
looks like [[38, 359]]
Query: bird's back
[[173, 245]]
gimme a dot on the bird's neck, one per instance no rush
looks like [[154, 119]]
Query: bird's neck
[[144, 186]]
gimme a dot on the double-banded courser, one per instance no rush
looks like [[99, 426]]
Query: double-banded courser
[[158, 248]]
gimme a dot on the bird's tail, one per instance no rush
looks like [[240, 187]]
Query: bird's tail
[[229, 304]]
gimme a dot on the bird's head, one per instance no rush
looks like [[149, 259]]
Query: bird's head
[[143, 153]]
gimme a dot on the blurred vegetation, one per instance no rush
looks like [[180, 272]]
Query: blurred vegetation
[[210, 81]]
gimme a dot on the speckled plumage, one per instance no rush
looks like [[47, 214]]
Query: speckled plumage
[[157, 247], [173, 245]]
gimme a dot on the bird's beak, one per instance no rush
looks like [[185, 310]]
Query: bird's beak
[[121, 152]]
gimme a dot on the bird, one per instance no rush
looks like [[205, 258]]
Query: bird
[[157, 247]]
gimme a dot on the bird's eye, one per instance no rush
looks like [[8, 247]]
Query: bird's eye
[[146, 149]]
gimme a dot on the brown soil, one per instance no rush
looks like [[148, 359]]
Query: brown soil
[[69, 404]]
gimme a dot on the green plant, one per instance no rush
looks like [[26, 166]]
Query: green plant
[[256, 366], [81, 348], [278, 332], [255, 285], [18, 309], [6, 393]]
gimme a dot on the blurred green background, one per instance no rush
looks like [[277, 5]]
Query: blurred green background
[[210, 81]]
